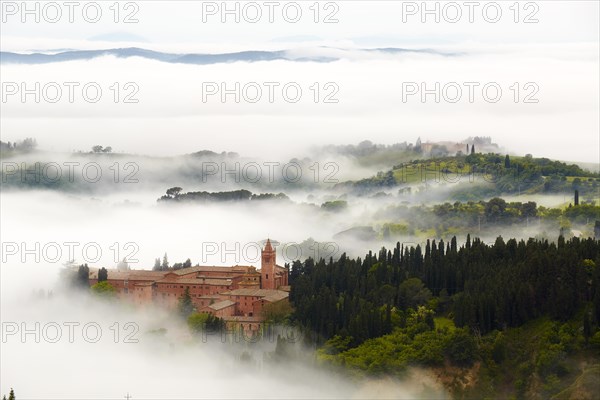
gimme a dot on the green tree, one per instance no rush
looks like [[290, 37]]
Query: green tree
[[82, 278], [197, 321], [461, 348], [104, 290], [185, 306], [495, 208], [335, 205], [413, 293], [507, 162], [165, 263], [174, 191], [102, 274], [200, 322], [336, 345], [277, 312]]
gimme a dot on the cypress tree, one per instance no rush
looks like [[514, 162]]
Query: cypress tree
[[102, 274], [186, 307]]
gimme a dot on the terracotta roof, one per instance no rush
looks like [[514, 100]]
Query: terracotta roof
[[133, 275], [147, 275], [256, 292], [273, 298], [268, 246], [212, 268], [221, 305]]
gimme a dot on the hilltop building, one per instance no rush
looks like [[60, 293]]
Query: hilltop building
[[236, 294]]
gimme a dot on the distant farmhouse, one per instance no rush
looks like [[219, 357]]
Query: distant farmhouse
[[483, 144], [236, 294]]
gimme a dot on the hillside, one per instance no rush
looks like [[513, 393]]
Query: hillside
[[493, 175]]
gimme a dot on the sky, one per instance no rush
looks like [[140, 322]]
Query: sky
[[550, 53], [369, 23]]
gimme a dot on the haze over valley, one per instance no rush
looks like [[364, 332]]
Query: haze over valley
[[370, 202]]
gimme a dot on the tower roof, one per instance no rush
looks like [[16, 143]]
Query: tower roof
[[268, 246]]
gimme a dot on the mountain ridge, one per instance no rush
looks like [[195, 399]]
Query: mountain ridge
[[193, 58]]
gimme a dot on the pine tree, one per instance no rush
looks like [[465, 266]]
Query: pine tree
[[473, 149], [156, 264], [507, 162], [186, 307], [165, 263], [83, 276], [576, 197], [11, 395], [102, 274]]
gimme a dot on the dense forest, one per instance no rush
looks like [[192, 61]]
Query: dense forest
[[459, 305], [482, 286]]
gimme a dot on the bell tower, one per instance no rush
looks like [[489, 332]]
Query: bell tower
[[267, 267]]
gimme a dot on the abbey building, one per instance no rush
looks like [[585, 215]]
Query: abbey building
[[237, 294]]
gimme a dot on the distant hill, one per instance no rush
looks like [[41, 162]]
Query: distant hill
[[326, 55]]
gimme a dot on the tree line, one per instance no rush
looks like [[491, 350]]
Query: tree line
[[480, 286]]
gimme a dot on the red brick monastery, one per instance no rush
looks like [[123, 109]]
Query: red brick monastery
[[236, 294]]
